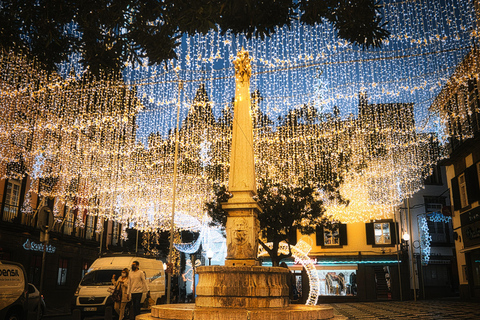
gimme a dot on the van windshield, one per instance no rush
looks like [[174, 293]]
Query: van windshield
[[100, 277]]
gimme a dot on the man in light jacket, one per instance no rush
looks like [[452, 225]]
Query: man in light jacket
[[137, 286]]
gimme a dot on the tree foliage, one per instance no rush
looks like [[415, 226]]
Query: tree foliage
[[285, 209], [109, 33]]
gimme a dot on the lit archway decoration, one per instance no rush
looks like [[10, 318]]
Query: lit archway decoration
[[300, 252]]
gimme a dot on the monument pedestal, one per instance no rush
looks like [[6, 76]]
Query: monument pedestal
[[242, 287], [191, 312], [240, 293]]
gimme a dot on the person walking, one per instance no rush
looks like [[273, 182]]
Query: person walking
[[292, 288], [136, 287], [121, 284]]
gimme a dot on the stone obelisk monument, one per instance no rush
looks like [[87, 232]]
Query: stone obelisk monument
[[242, 282], [242, 289], [242, 223]]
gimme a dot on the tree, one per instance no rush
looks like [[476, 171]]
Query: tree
[[286, 209], [109, 33]]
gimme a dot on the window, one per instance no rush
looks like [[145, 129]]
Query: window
[[89, 227], [463, 190], [437, 231], [62, 272], [433, 207], [436, 177], [115, 233], [331, 236], [68, 223], [382, 233], [12, 199]]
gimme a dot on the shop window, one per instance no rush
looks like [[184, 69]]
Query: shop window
[[12, 199], [62, 272], [338, 282], [462, 185], [332, 235], [475, 263], [382, 233]]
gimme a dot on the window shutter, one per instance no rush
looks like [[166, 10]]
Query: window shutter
[[370, 233], [394, 232], [292, 237], [471, 181], [343, 234], [319, 236], [456, 194]]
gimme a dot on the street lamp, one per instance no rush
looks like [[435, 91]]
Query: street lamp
[[405, 239], [209, 256]]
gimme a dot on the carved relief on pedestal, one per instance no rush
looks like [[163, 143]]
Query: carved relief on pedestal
[[240, 246]]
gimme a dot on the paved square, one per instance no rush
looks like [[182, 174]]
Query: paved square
[[428, 309]]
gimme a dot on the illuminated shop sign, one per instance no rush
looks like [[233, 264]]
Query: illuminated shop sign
[[33, 246]]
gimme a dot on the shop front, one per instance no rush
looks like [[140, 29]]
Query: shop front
[[65, 262], [361, 279]]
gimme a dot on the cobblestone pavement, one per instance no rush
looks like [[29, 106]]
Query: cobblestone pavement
[[428, 309]]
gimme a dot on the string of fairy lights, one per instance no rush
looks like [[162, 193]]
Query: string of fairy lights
[[324, 112]]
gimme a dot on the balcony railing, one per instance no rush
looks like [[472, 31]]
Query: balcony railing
[[9, 213]]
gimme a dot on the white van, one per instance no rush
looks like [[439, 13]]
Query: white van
[[93, 295]]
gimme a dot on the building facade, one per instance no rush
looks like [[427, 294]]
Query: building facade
[[458, 105], [74, 241], [408, 256]]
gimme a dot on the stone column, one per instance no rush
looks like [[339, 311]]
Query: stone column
[[242, 224]]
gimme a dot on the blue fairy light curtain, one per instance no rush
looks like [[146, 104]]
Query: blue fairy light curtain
[[356, 122]]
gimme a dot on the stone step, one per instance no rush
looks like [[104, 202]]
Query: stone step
[[190, 312]]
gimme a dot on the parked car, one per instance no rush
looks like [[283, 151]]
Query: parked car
[[35, 299], [93, 295]]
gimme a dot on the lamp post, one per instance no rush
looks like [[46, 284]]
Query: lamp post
[[405, 239], [412, 253], [209, 256]]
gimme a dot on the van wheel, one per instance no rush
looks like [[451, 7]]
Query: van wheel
[[13, 315]]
